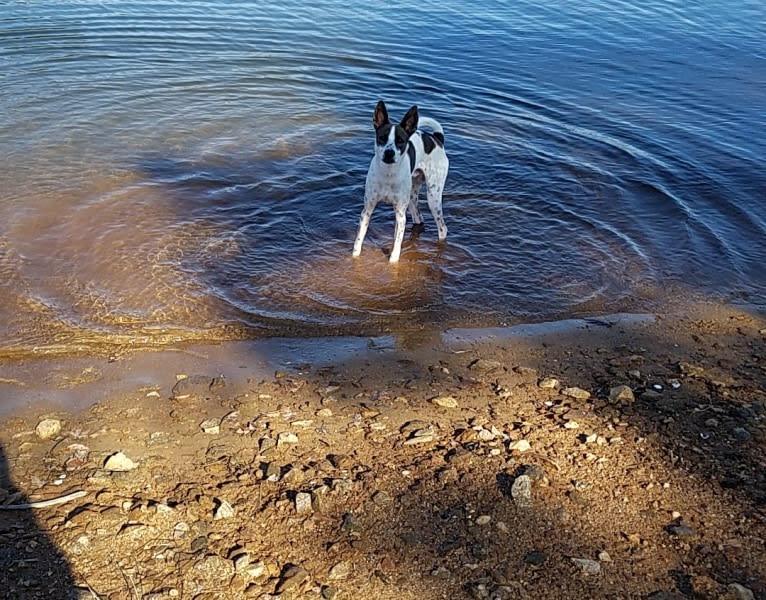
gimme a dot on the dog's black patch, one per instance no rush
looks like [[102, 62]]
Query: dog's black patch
[[401, 138], [411, 155], [439, 137], [428, 142], [382, 134]]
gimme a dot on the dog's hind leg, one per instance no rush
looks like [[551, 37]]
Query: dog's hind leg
[[401, 223], [417, 182], [435, 189]]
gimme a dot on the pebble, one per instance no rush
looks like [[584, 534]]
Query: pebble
[[526, 371], [211, 426], [521, 491], [535, 557], [739, 592], [119, 462], [621, 394], [577, 393], [484, 365], [549, 383], [483, 520], [690, 370], [47, 428], [256, 569], [680, 530], [180, 530], [285, 438], [196, 385], [303, 503], [603, 556], [588, 566], [519, 446], [224, 511], [329, 592], [340, 570], [421, 436], [445, 401], [292, 576]]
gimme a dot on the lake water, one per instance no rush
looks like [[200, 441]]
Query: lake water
[[194, 170]]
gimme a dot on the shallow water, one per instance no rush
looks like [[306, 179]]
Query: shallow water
[[194, 170]]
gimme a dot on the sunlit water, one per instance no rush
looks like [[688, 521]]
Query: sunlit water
[[194, 170]]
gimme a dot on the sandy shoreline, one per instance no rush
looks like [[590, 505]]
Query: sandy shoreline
[[399, 468]]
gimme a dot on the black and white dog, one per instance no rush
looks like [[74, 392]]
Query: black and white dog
[[405, 158]]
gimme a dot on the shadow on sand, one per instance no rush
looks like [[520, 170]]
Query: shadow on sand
[[31, 566]]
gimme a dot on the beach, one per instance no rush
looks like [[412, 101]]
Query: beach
[[618, 457]]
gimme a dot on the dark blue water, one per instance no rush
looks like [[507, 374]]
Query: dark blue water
[[195, 170]]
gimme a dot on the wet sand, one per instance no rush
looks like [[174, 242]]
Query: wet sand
[[462, 464]]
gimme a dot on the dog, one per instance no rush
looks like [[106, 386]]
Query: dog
[[405, 158]]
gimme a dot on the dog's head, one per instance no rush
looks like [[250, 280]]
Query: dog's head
[[391, 140]]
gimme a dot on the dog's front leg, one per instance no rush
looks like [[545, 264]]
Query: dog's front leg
[[364, 223], [401, 223]]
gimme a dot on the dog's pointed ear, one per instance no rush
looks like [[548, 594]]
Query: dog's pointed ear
[[380, 117], [410, 120]]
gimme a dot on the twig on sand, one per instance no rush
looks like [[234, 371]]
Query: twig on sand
[[44, 503]]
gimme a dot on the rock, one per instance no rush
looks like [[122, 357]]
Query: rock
[[211, 426], [680, 530], [319, 498], [535, 558], [690, 370], [521, 491], [525, 371], [519, 446], [736, 591], [211, 572], [180, 531], [382, 498], [303, 503], [445, 401], [329, 592], [483, 520], [266, 444], [119, 462], [256, 570], [421, 436], [340, 570], [223, 511], [292, 576], [650, 395], [350, 524], [241, 562], [286, 438], [604, 556], [47, 428], [577, 393], [196, 385], [549, 383], [588, 566], [484, 365], [621, 394]]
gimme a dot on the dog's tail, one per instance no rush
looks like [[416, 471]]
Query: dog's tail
[[434, 126]]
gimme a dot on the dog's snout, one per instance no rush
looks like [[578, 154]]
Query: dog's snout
[[388, 156]]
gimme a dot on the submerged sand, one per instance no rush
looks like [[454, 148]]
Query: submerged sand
[[620, 457]]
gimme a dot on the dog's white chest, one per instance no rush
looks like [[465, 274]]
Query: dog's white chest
[[387, 184]]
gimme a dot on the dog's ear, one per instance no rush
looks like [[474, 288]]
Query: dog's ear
[[380, 117], [410, 121]]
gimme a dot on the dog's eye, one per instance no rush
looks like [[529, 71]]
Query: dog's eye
[[399, 140], [382, 139]]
